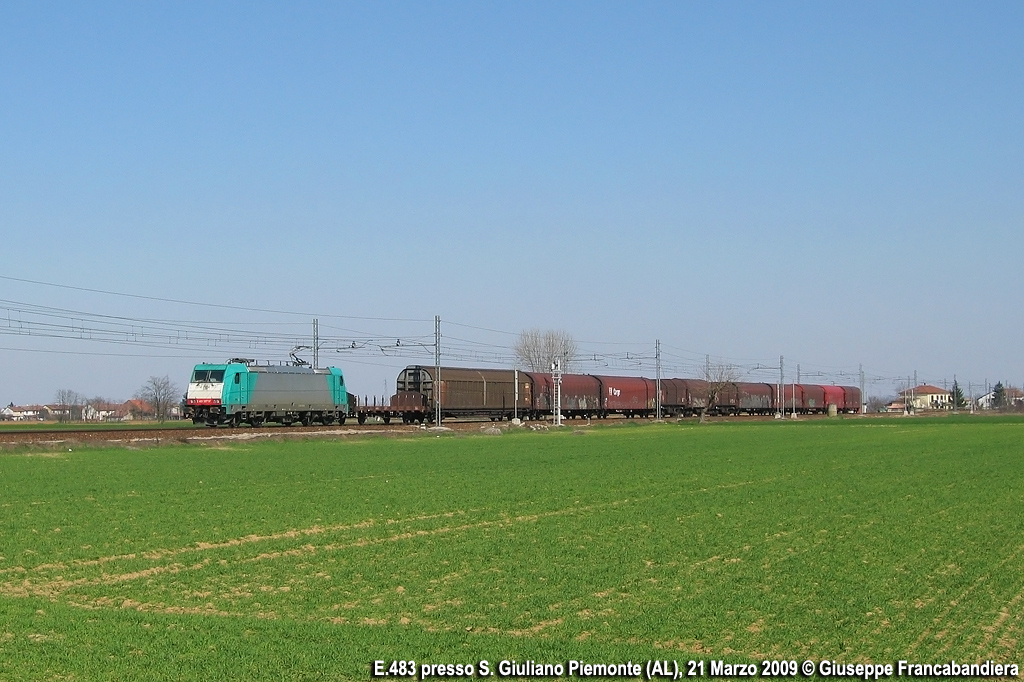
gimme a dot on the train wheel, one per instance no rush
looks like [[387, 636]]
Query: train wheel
[[256, 422], [341, 420], [361, 418], [387, 419]]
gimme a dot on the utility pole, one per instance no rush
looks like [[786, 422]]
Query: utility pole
[[863, 395], [793, 402], [316, 343], [914, 392], [437, 370], [657, 363], [954, 396], [556, 380], [782, 381], [797, 381], [515, 400]]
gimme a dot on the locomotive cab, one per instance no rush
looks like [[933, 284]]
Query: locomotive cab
[[204, 397]]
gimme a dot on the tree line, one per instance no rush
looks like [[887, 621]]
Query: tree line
[[160, 393]]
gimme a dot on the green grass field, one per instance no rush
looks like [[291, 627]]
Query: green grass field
[[854, 540]]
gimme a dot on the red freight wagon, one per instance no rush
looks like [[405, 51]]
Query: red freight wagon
[[696, 394], [631, 396], [580, 394], [728, 400], [675, 399], [834, 395], [814, 397], [853, 399], [757, 398], [788, 404]]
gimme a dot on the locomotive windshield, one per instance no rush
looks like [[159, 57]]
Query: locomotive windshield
[[208, 376]]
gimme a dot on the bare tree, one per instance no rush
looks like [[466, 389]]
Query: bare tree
[[878, 403], [717, 378], [100, 405], [69, 404], [538, 350], [162, 395]]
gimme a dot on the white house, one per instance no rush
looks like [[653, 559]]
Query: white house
[[927, 397], [21, 413], [1013, 394]]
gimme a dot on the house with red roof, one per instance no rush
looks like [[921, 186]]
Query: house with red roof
[[927, 397]]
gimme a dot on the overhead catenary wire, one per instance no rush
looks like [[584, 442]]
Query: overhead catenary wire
[[174, 337], [223, 306]]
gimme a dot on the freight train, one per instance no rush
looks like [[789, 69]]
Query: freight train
[[241, 391], [493, 393]]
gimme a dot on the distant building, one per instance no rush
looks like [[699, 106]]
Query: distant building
[[137, 409], [98, 411], [1014, 398], [896, 406], [927, 397], [21, 413], [61, 413]]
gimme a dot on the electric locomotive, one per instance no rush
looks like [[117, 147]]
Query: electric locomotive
[[241, 391]]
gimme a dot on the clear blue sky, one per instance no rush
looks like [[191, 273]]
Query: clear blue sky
[[839, 183]]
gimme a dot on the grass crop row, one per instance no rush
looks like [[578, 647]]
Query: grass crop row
[[853, 540]]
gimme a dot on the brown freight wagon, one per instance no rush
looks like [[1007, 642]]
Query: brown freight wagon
[[464, 392], [834, 395], [580, 395], [814, 398], [854, 399], [629, 396], [696, 395], [675, 398], [793, 398], [757, 398]]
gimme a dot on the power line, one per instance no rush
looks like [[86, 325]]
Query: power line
[[41, 321], [222, 306]]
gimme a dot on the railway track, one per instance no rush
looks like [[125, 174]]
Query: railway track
[[201, 434]]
